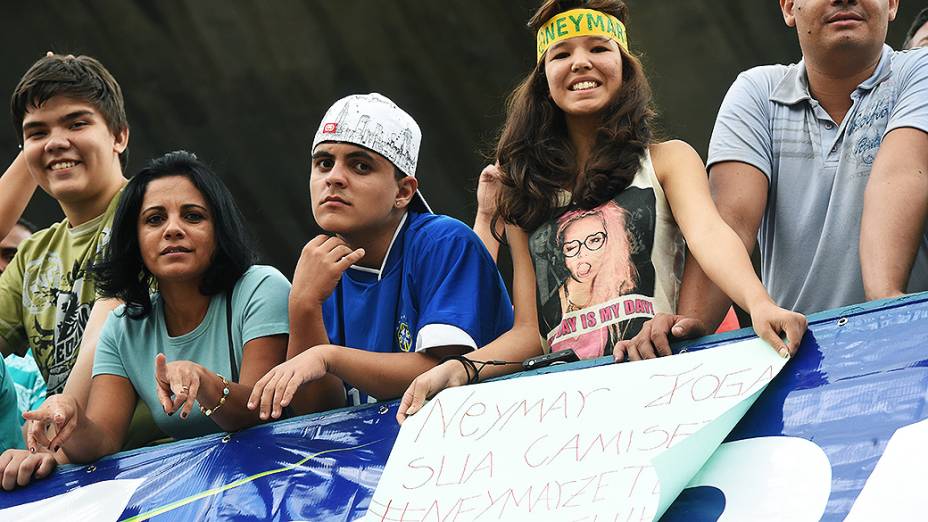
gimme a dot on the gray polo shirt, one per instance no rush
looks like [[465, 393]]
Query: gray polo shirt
[[818, 171]]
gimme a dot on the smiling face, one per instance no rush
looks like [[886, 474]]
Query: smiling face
[[70, 150], [584, 74], [582, 246], [826, 25], [354, 190], [176, 234]]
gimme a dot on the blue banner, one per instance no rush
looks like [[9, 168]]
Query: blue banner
[[824, 423]]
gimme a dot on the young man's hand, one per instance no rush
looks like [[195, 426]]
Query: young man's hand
[[273, 392], [321, 264]]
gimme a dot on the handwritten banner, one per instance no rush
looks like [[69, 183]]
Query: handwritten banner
[[579, 444]]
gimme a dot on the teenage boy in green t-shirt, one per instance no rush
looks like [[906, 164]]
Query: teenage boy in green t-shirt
[[70, 117], [74, 134]]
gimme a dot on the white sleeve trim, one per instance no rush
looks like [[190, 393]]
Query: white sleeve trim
[[432, 335]]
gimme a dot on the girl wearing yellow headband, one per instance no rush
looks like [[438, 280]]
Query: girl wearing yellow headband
[[596, 211]]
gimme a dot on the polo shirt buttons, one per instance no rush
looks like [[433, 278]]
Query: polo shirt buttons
[[829, 125]]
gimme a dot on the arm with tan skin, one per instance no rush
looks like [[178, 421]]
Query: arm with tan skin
[[894, 214], [85, 434], [487, 191], [205, 387], [381, 375], [518, 344], [16, 189], [739, 192], [455, 259], [80, 378], [322, 262], [717, 248]]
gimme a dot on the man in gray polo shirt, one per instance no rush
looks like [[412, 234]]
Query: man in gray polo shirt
[[792, 152]]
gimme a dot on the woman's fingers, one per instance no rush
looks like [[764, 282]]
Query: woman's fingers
[[620, 351], [191, 398], [414, 398], [64, 432], [181, 391], [39, 422], [163, 384]]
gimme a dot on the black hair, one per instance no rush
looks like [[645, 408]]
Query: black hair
[[122, 274], [79, 77], [920, 19]]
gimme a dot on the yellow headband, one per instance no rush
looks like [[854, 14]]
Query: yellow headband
[[580, 22]]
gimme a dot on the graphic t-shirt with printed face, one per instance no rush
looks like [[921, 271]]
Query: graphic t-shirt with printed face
[[601, 273], [46, 294]]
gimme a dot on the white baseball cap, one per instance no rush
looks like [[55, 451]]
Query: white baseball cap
[[374, 122]]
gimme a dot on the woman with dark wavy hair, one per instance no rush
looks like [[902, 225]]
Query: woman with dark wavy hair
[[216, 324], [578, 141]]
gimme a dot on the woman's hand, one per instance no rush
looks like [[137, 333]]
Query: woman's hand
[[19, 467], [488, 186], [425, 386], [771, 322], [178, 383], [61, 412], [275, 390]]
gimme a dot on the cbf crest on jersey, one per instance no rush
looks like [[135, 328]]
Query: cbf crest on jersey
[[403, 335]]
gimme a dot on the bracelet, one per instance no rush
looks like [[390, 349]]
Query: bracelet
[[222, 400], [469, 367], [472, 368]]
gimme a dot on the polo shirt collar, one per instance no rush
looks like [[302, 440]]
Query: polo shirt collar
[[794, 86]]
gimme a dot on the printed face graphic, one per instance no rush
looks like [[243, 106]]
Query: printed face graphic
[[584, 74], [176, 233], [582, 247]]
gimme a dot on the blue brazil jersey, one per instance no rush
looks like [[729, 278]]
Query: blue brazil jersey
[[436, 272]]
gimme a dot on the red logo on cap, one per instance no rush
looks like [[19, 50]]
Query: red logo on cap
[[329, 128]]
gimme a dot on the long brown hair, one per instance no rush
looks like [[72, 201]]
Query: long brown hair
[[535, 154]]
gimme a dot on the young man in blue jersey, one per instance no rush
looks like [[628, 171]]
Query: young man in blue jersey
[[396, 288]]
